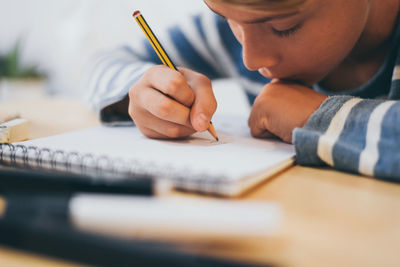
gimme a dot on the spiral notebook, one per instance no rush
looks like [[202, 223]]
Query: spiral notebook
[[228, 167]]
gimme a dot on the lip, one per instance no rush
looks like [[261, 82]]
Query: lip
[[271, 75], [264, 72]]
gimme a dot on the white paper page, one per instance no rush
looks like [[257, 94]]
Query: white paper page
[[237, 154]]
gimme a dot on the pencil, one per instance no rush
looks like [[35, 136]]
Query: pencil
[[162, 54]]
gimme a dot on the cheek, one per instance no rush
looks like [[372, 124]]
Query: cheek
[[323, 45]]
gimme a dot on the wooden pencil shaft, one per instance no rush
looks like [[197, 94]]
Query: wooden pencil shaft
[[162, 54]]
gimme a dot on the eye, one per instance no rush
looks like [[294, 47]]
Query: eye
[[288, 32]]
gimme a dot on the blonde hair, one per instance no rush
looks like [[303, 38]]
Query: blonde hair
[[272, 5]]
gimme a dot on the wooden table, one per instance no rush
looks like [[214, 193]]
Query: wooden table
[[330, 218]]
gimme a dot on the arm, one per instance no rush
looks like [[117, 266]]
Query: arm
[[109, 80], [348, 133], [354, 135], [114, 72]]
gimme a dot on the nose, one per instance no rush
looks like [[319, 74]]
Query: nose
[[258, 50]]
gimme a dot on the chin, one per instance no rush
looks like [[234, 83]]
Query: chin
[[303, 79]]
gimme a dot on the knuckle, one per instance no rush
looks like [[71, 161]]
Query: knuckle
[[175, 83], [164, 108], [203, 78], [131, 111], [250, 122], [257, 125], [252, 127], [257, 102], [253, 132], [173, 132], [134, 92], [153, 69], [134, 116], [149, 73], [146, 76], [214, 105], [287, 138], [264, 123], [147, 133]]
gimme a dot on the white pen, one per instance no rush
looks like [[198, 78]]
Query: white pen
[[161, 218]]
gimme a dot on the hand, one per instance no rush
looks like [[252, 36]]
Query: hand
[[168, 104], [281, 107]]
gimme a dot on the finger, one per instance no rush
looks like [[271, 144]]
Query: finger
[[160, 128], [164, 107], [264, 134], [165, 129], [171, 83], [258, 127], [205, 104], [151, 133]]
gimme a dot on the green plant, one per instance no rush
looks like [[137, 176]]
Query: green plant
[[10, 66]]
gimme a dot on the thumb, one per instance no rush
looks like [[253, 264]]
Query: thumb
[[205, 104]]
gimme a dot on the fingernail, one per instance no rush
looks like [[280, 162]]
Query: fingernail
[[202, 121]]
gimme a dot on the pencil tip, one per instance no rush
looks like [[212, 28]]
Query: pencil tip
[[212, 131]]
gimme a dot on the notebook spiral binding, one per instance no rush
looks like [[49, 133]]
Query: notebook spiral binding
[[21, 156]]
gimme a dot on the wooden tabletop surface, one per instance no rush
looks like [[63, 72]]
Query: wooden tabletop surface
[[330, 218]]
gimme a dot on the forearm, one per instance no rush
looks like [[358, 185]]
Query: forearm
[[354, 135], [115, 72], [111, 76]]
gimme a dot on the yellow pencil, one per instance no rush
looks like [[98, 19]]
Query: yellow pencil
[[161, 53]]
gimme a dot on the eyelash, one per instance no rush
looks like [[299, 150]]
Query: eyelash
[[282, 34], [287, 33]]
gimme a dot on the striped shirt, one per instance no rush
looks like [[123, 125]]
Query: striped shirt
[[358, 132]]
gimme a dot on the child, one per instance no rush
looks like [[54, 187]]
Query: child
[[322, 74]]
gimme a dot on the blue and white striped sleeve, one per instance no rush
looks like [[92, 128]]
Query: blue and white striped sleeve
[[111, 76], [354, 135], [114, 72]]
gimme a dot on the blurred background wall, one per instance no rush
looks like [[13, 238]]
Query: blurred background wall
[[60, 36]]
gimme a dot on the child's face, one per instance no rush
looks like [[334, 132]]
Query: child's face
[[303, 45]]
